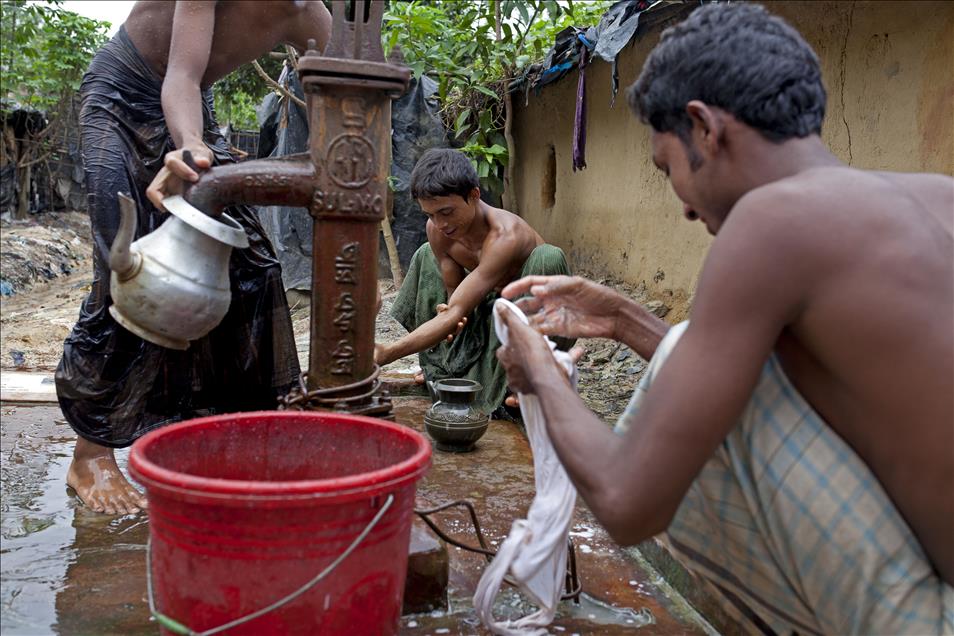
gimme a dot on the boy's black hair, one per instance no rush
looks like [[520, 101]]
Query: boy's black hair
[[441, 172], [740, 58]]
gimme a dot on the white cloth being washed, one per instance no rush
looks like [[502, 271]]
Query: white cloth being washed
[[535, 552]]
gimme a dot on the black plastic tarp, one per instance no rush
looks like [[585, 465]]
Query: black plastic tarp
[[284, 131], [416, 127]]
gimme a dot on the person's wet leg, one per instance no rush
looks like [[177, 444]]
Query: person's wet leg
[[99, 482]]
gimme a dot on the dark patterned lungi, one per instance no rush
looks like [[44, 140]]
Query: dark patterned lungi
[[113, 386]]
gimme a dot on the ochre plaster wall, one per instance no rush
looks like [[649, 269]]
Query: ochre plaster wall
[[889, 71]]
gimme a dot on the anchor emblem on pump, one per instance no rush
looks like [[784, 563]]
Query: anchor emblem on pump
[[351, 156]]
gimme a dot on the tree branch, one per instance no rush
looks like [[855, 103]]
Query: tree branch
[[292, 55], [523, 36], [275, 85], [497, 20], [37, 160], [511, 154]]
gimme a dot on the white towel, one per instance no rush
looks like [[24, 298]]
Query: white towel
[[535, 552]]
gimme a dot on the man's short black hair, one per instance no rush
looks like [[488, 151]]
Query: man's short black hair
[[441, 172], [740, 58]]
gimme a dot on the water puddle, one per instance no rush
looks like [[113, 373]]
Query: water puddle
[[61, 564], [596, 611], [585, 617]]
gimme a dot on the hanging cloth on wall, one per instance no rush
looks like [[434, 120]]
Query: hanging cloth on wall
[[579, 121], [535, 552]]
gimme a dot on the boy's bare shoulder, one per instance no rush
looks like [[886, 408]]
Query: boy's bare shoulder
[[500, 216], [506, 224]]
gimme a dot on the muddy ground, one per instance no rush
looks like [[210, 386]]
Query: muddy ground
[[46, 269]]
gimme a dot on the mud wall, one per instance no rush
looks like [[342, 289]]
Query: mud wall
[[888, 70]]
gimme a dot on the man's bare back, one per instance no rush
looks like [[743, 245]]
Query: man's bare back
[[244, 31], [851, 350]]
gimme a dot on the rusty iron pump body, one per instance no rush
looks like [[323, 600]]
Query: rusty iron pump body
[[342, 180]]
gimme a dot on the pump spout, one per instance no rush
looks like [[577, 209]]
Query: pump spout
[[288, 180], [121, 260]]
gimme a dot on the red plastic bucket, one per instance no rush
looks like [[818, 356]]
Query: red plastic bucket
[[245, 509]]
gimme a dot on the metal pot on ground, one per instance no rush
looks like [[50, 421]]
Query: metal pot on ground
[[453, 422]]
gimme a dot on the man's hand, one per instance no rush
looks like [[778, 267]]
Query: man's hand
[[441, 308], [572, 307], [526, 356], [176, 173]]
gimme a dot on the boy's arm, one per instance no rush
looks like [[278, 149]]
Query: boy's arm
[[495, 261], [193, 24], [451, 271]]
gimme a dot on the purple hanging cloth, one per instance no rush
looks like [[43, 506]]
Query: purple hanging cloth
[[579, 121]]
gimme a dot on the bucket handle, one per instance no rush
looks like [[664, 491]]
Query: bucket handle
[[178, 628]]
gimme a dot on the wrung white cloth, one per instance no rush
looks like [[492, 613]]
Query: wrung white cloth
[[535, 552]]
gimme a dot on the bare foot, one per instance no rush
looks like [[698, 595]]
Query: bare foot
[[419, 377], [100, 484]]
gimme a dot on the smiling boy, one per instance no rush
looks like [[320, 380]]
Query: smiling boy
[[473, 250]]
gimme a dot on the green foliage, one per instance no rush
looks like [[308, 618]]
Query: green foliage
[[238, 93], [44, 51], [455, 42]]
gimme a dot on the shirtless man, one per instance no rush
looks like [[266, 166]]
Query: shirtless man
[[473, 250], [796, 438], [191, 44], [145, 102]]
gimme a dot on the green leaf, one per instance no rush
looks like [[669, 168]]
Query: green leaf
[[524, 12], [485, 119], [461, 120], [485, 91]]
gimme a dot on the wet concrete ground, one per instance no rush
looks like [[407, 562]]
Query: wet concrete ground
[[66, 570], [498, 479]]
